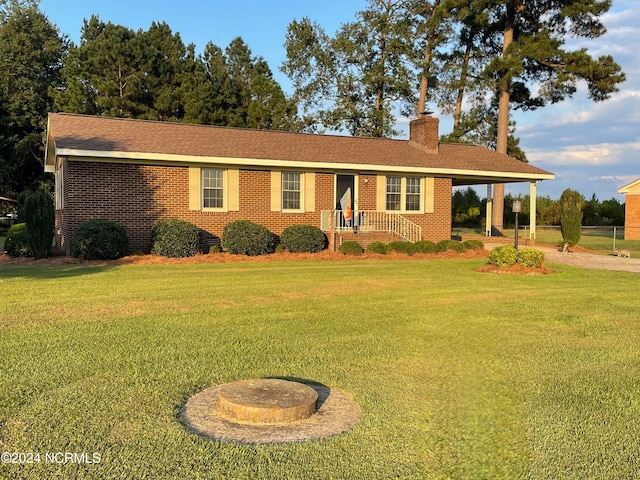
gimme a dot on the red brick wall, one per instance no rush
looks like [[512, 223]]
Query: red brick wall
[[632, 217], [137, 196]]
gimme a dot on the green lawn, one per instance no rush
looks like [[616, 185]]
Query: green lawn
[[458, 374]]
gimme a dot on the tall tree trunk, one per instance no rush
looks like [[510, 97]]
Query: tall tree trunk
[[497, 216], [463, 82], [424, 81], [428, 53]]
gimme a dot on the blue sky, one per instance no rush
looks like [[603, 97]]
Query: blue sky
[[591, 147]]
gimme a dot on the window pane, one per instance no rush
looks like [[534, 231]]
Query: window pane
[[394, 193], [212, 188], [290, 191], [413, 194]]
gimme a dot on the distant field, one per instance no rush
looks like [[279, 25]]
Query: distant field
[[459, 374]]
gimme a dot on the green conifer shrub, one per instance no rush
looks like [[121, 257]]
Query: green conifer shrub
[[571, 216], [40, 219], [351, 247], [473, 244], [99, 239], [425, 246], [244, 237], [377, 247], [303, 238], [401, 247], [455, 245], [175, 238]]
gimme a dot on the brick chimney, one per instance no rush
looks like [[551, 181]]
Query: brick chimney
[[423, 133]]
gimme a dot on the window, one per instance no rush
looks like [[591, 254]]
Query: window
[[212, 188], [412, 194], [394, 193], [404, 194], [291, 191]]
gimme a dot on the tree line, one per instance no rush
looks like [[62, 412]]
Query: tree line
[[468, 209], [473, 59]]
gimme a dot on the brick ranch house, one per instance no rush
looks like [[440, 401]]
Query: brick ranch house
[[136, 172], [631, 210]]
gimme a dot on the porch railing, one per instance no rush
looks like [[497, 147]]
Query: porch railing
[[371, 221]]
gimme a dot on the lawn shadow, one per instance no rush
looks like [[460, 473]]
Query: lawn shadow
[[31, 269]]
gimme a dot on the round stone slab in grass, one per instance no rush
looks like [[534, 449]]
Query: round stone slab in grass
[[266, 400], [269, 411]]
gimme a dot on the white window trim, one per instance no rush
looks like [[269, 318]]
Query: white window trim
[[403, 195], [225, 191], [302, 193]]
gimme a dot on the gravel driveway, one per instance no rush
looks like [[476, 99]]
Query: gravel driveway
[[585, 260]]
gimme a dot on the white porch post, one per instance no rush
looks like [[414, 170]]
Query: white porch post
[[532, 210], [489, 209]]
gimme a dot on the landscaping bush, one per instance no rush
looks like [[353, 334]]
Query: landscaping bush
[[303, 238], [17, 242], [530, 257], [99, 239], [444, 245], [425, 246], [40, 219], [571, 216], [401, 247], [473, 245], [247, 238], [503, 256], [351, 247], [20, 207], [175, 238], [377, 247]]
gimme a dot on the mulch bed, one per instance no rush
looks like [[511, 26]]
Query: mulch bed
[[215, 258]]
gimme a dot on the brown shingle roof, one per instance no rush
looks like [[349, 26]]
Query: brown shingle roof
[[102, 134]]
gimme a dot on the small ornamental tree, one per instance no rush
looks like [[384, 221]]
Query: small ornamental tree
[[570, 216], [40, 219]]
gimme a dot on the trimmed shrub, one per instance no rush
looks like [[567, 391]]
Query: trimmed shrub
[[40, 219], [99, 239], [17, 241], [425, 246], [247, 238], [503, 256], [444, 245], [401, 247], [351, 247], [571, 216], [530, 257], [175, 238], [473, 244], [22, 198], [303, 238], [377, 247]]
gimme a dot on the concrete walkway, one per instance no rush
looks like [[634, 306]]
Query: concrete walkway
[[583, 259]]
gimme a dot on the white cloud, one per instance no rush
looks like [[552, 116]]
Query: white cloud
[[597, 154]]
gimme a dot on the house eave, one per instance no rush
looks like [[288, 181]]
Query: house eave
[[632, 187], [466, 176]]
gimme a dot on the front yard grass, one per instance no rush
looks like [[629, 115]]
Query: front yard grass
[[458, 374]]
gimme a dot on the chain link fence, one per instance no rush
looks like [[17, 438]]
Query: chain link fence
[[595, 238]]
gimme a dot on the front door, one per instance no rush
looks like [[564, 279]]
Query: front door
[[345, 200]]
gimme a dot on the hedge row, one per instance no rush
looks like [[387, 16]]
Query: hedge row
[[423, 246], [106, 240]]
